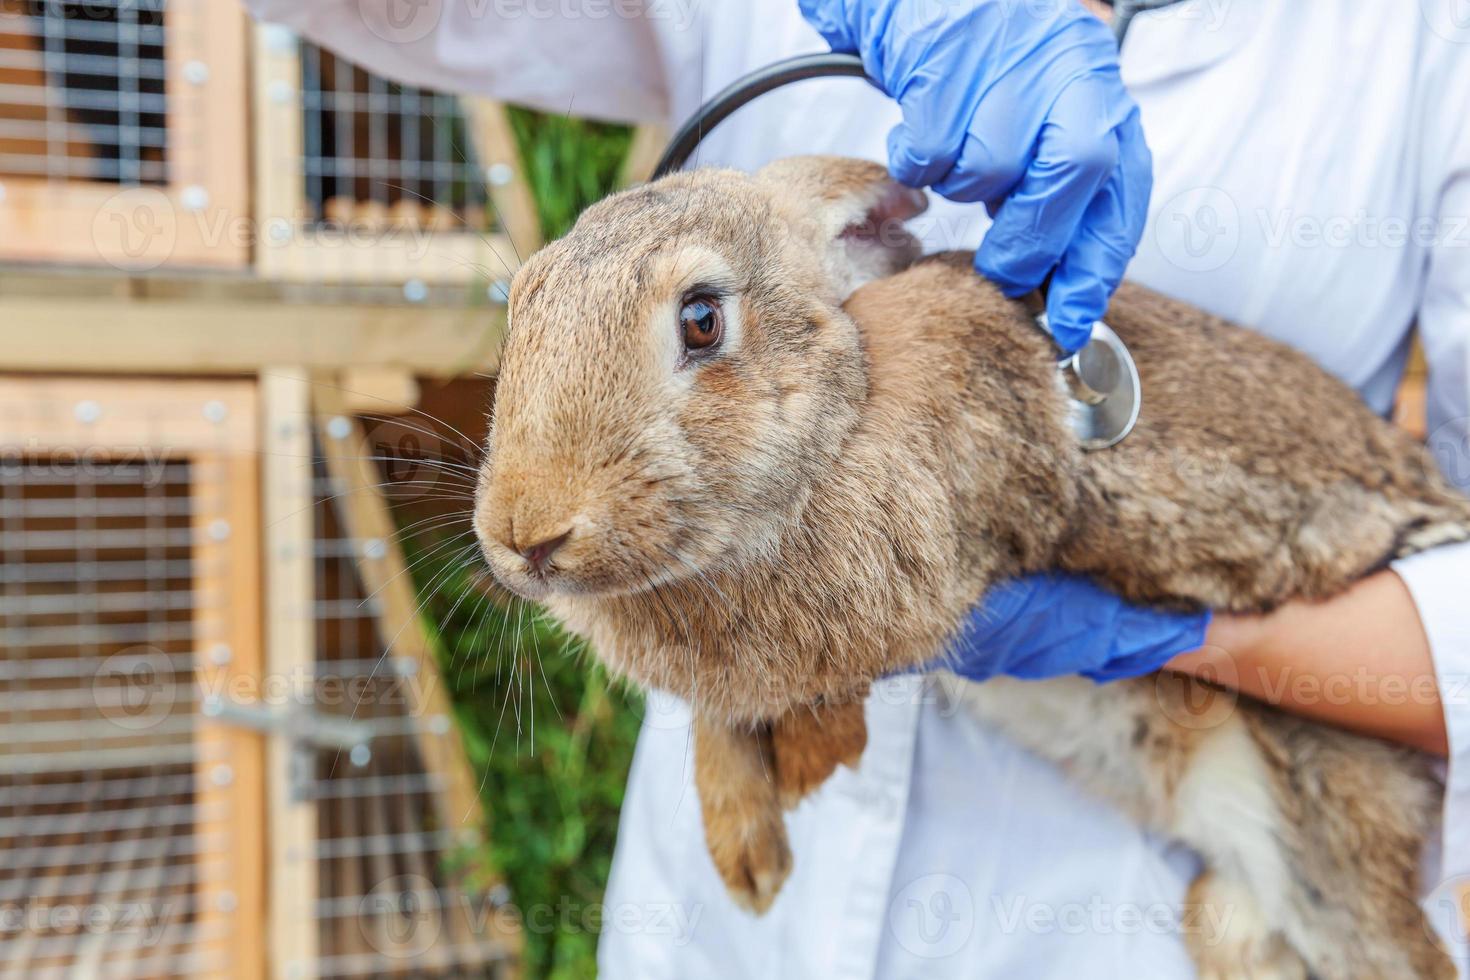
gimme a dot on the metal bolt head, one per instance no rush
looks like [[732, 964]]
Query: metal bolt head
[[194, 198], [87, 412], [278, 38], [499, 174]]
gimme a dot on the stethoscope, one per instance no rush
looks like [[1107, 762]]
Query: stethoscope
[[1101, 379]]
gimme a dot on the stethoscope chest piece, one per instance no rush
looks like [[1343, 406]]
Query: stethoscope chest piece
[[1101, 382]]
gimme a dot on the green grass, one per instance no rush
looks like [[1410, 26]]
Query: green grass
[[552, 789], [568, 163], [551, 737]]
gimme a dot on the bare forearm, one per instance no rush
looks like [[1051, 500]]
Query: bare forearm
[[1360, 661]]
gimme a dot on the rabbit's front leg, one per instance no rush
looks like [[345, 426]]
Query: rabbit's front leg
[[734, 771], [811, 741]]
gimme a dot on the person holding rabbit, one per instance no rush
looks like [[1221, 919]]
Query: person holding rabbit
[[1324, 208]]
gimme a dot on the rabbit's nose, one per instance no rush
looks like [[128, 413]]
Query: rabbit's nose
[[538, 554]]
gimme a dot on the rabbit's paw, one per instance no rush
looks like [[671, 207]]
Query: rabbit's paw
[[810, 742], [751, 854], [743, 826], [1229, 937]]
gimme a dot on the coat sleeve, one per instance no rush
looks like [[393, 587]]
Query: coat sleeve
[[594, 58], [1439, 580]]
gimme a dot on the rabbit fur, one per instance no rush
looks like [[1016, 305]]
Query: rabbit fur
[[876, 441]]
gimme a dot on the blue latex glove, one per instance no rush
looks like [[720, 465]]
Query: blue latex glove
[[1041, 626], [1021, 106]]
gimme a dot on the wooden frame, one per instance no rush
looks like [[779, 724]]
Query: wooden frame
[[291, 655], [288, 249], [212, 426], [50, 322], [200, 218]]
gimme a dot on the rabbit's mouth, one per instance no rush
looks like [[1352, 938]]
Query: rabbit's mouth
[[574, 563]]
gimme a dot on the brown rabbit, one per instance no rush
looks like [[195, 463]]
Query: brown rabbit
[[759, 458]]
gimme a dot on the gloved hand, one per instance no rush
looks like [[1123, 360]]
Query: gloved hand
[[1041, 626], [1020, 106]]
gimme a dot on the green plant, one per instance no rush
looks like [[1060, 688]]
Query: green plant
[[550, 737], [569, 163]]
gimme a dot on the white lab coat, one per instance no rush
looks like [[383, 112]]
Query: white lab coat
[[1312, 179]]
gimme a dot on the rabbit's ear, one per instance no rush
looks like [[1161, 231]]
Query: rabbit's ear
[[860, 212]]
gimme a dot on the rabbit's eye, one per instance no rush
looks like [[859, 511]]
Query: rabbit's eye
[[701, 323]]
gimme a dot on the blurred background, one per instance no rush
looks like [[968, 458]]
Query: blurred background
[[260, 713]]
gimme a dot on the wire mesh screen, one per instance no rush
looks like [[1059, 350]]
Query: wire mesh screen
[[111, 842], [82, 91], [379, 154], [391, 900]]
